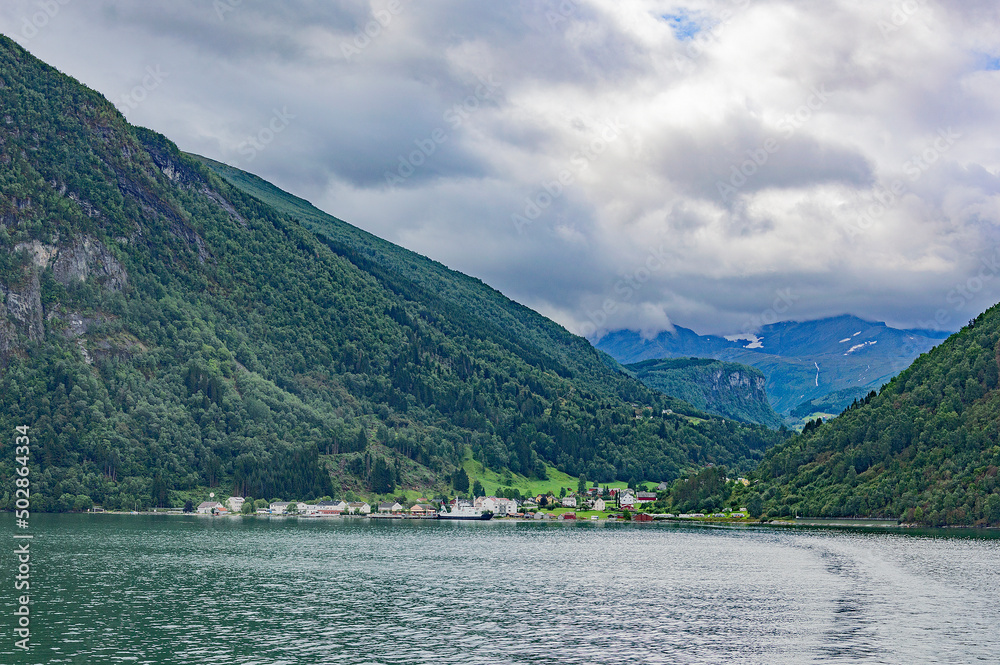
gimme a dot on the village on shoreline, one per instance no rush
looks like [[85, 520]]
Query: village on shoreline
[[588, 504], [617, 504]]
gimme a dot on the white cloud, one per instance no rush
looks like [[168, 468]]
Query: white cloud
[[810, 114]]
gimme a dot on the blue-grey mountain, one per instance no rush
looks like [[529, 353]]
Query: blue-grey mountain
[[802, 361]]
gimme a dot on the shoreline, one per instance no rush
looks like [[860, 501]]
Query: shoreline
[[807, 522]]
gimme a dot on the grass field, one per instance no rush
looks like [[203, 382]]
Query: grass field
[[557, 480]]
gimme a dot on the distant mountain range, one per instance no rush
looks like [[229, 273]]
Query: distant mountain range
[[803, 362]]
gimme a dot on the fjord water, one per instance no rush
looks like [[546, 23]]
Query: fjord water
[[178, 590]]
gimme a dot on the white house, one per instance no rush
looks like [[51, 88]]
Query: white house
[[569, 501], [208, 507], [235, 503], [279, 507], [506, 507], [358, 508], [393, 507], [497, 505], [599, 504], [626, 501], [487, 503], [330, 508], [282, 507]]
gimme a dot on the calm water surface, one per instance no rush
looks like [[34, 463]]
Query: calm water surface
[[179, 590]]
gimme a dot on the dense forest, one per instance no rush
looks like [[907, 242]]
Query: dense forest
[[726, 389], [923, 449], [169, 325]]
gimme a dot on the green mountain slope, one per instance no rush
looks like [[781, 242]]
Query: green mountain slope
[[924, 449], [828, 405], [730, 390], [166, 330], [419, 278]]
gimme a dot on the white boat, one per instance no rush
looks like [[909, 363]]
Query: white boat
[[465, 513]]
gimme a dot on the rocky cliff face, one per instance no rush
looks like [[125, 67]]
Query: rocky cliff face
[[727, 389], [739, 382], [24, 315], [85, 258]]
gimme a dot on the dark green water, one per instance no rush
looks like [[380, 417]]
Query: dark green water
[[179, 590]]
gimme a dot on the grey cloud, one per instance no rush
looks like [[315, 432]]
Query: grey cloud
[[563, 66], [241, 31], [740, 156]]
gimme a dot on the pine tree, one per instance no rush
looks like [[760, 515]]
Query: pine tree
[[382, 477], [460, 481]]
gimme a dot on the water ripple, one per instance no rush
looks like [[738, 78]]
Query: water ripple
[[128, 589]]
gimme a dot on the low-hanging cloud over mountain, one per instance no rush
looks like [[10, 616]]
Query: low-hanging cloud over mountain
[[719, 164]]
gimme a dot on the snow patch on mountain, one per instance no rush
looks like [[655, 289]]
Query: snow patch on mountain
[[861, 346], [755, 342]]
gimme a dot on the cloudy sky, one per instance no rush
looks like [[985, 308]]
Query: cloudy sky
[[714, 164]]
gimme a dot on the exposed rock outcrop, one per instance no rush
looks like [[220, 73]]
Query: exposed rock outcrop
[[727, 389], [750, 386], [88, 257], [23, 300], [21, 310]]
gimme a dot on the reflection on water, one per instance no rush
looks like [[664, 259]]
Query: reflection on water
[[178, 590]]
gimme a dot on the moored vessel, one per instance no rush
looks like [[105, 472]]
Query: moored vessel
[[465, 513]]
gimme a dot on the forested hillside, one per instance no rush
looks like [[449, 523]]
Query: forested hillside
[[924, 449], [165, 330], [730, 390]]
